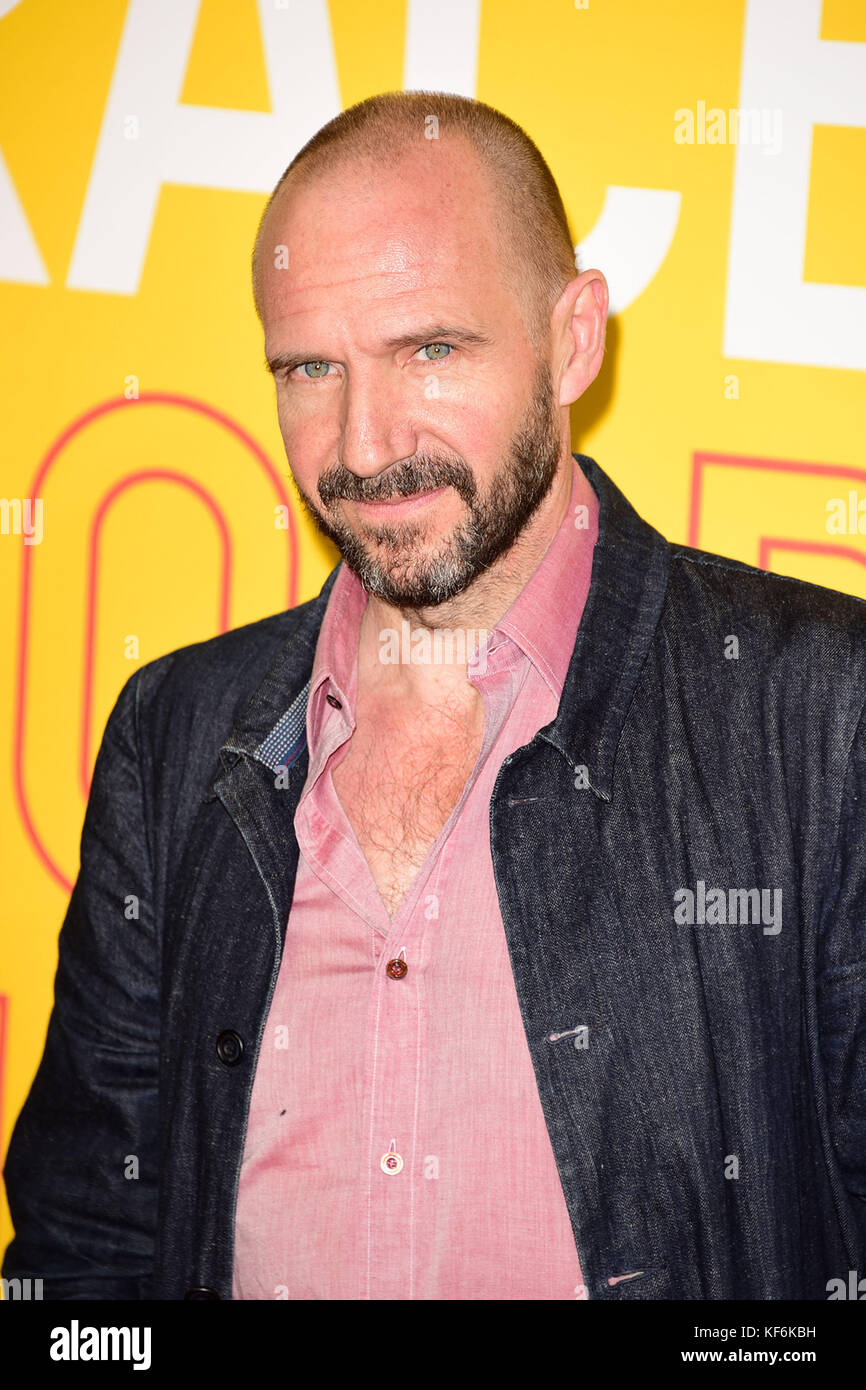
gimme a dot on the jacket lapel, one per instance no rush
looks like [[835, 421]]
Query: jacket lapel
[[265, 759]]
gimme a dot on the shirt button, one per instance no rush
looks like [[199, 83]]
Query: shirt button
[[396, 969], [332, 700], [391, 1162]]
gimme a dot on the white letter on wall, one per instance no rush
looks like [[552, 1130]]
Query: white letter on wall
[[206, 147], [772, 314]]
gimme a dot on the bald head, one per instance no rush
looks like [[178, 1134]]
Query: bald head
[[427, 198], [465, 152]]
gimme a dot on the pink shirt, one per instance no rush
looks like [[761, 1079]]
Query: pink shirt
[[432, 1068]]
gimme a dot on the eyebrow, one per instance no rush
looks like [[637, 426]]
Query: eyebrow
[[428, 333]]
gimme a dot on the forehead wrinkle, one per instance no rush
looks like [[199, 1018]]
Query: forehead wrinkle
[[362, 279], [432, 299], [394, 257], [388, 249], [287, 337], [459, 267]]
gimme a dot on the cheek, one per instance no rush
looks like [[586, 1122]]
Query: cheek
[[306, 433], [479, 433], [476, 405], [308, 445]]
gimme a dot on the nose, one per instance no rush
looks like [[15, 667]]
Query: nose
[[376, 429]]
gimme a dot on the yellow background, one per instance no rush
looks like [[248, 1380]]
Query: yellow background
[[596, 89]]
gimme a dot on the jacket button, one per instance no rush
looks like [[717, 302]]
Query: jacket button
[[229, 1046], [201, 1293], [396, 969]]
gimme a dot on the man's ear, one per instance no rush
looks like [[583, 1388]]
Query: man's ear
[[580, 320]]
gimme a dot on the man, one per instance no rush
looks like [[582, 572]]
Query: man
[[530, 965]]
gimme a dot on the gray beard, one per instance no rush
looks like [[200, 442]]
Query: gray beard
[[402, 577]]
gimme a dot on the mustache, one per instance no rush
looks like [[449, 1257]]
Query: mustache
[[403, 480]]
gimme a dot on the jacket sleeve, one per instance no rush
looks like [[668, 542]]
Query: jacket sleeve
[[841, 991], [80, 1172]]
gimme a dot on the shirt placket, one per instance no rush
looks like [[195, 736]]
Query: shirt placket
[[394, 1069], [396, 1052]]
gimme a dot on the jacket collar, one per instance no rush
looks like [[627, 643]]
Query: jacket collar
[[630, 569]]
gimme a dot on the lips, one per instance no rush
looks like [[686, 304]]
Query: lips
[[401, 504]]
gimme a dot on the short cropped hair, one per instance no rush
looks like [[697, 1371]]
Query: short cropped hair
[[537, 248]]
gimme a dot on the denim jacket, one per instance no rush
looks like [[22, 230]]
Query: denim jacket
[[701, 1064]]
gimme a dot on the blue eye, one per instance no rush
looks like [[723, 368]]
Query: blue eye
[[446, 346], [320, 368]]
